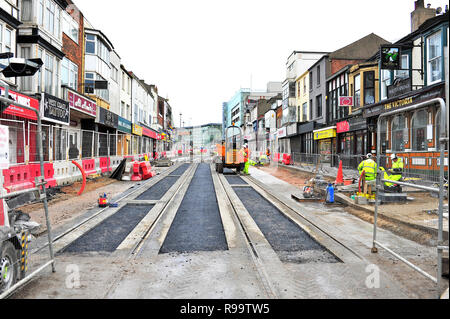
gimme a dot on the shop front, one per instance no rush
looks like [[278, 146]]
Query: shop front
[[107, 125], [326, 143], [80, 134], [414, 134], [352, 140], [55, 115], [124, 131], [17, 120]]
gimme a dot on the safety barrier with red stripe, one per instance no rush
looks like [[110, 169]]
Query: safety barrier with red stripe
[[89, 166], [105, 164]]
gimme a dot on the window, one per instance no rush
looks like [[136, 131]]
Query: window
[[419, 130], [69, 74], [357, 93], [385, 82], [50, 13], [304, 112], [319, 105], [90, 43], [41, 12], [39, 73], [26, 10], [8, 39], [369, 87], [115, 74], [310, 110], [304, 85], [434, 54], [318, 75], [89, 83], [404, 72], [102, 51], [399, 133], [49, 65], [70, 27], [26, 81], [311, 80]]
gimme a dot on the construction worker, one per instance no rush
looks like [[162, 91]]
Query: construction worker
[[396, 174], [369, 167], [246, 159]]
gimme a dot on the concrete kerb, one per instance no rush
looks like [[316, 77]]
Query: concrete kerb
[[340, 198]]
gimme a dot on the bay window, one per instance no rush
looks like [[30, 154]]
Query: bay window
[[369, 87], [434, 58], [404, 72], [357, 92], [385, 82], [90, 43]]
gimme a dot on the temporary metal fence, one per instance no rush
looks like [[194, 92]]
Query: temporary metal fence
[[19, 240], [443, 140]]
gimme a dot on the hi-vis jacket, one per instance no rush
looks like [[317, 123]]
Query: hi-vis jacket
[[370, 167]]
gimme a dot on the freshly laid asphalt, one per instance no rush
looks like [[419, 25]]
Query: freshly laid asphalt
[[197, 225], [290, 241], [109, 234]]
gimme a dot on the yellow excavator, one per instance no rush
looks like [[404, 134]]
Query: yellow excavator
[[229, 153]]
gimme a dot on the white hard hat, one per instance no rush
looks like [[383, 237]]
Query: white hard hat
[[393, 156], [369, 155]]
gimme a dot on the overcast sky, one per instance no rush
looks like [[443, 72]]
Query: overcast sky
[[201, 52]]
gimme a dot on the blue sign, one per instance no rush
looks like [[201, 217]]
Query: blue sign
[[124, 125]]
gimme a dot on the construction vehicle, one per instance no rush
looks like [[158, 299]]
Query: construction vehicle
[[15, 234], [229, 152]]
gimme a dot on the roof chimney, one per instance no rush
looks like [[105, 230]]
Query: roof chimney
[[421, 14]]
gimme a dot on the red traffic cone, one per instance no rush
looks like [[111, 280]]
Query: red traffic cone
[[340, 175]]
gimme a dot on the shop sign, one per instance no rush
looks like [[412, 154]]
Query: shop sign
[[124, 125], [4, 147], [137, 130], [108, 118], [24, 100], [324, 134], [399, 87], [342, 127], [79, 103], [421, 96], [54, 109], [149, 133], [282, 132]]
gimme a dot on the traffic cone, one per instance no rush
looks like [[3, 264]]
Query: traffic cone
[[340, 175]]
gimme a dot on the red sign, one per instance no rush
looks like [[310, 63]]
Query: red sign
[[346, 101], [342, 127], [24, 100], [150, 133], [81, 104]]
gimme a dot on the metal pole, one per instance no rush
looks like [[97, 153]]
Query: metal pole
[[44, 189]]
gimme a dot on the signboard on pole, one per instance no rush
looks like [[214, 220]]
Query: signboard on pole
[[4, 147], [390, 58], [346, 101]]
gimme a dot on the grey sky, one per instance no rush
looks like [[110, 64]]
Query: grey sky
[[200, 52]]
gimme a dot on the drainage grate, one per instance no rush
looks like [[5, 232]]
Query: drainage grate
[[197, 225], [291, 242], [109, 234]]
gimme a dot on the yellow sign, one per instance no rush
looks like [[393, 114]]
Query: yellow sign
[[137, 130], [399, 103], [325, 134]]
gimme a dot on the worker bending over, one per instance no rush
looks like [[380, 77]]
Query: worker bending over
[[369, 167], [396, 175]]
